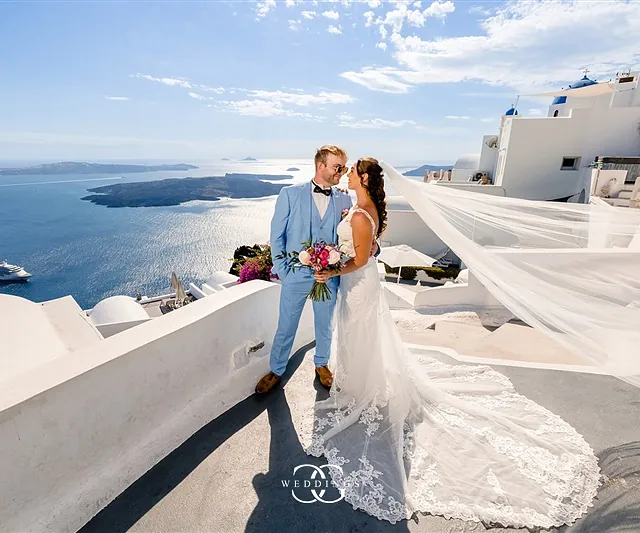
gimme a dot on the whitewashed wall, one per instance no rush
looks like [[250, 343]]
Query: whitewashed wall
[[471, 295], [536, 147], [75, 432], [406, 227]]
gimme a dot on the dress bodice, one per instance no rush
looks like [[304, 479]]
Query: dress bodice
[[345, 233]]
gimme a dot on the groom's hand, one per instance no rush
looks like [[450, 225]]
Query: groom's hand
[[374, 248]]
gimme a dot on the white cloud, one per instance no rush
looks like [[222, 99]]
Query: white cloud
[[117, 98], [263, 8], [481, 10], [375, 123], [382, 79], [416, 18], [264, 108], [383, 32], [263, 103], [457, 117], [301, 99], [518, 47], [171, 82], [333, 15], [345, 116], [308, 14], [295, 25], [489, 119], [217, 90], [292, 3], [336, 30], [382, 46], [369, 16], [373, 4], [396, 17], [179, 82], [439, 9]]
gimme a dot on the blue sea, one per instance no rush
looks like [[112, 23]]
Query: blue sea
[[74, 247]]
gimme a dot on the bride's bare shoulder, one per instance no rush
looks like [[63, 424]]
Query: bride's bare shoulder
[[360, 216]]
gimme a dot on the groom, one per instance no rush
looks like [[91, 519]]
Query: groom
[[311, 210]]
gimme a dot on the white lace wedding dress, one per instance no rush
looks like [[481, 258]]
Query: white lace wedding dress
[[413, 434]]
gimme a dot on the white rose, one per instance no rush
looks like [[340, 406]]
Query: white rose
[[334, 257], [304, 258]]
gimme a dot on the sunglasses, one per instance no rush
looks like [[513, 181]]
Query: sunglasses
[[340, 169]]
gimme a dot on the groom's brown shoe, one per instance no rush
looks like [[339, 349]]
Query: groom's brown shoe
[[325, 376], [267, 383]]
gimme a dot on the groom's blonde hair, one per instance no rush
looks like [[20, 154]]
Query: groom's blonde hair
[[324, 151]]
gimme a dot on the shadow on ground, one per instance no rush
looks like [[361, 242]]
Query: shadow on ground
[[276, 510], [617, 506]]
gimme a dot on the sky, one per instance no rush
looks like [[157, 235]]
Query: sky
[[403, 81]]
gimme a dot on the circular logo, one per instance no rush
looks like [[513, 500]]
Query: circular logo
[[318, 479]]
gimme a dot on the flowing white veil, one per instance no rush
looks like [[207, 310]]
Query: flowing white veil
[[569, 270]]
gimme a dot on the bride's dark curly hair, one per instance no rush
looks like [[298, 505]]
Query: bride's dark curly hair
[[374, 187]]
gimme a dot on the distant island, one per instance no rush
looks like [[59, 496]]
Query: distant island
[[175, 191], [89, 168], [248, 159], [421, 170], [225, 159], [293, 169]]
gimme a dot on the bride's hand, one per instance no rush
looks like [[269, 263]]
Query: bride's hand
[[322, 276]]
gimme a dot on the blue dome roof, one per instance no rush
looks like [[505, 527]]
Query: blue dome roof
[[583, 82], [512, 111], [559, 100]]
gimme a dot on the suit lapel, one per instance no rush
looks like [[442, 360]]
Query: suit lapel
[[305, 204]]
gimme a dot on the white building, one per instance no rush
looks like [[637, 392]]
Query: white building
[[549, 158]]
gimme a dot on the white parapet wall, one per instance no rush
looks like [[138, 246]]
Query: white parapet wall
[[78, 430], [406, 227], [466, 295]]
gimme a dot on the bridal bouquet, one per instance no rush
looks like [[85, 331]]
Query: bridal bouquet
[[316, 257]]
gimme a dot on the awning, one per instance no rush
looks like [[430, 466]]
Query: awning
[[582, 92]]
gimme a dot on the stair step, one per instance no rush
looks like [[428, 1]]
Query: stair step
[[621, 202], [522, 343]]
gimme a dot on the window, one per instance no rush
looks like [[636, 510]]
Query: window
[[570, 163], [626, 79], [555, 113]]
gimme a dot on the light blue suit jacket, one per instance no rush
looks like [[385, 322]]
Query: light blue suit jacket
[[295, 220]]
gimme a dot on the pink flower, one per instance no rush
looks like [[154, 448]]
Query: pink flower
[[325, 262], [324, 254]]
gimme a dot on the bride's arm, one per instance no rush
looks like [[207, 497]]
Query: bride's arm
[[362, 237]]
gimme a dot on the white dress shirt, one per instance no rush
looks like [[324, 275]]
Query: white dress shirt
[[321, 200]]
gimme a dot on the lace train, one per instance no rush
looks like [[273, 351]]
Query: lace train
[[411, 433], [564, 478]]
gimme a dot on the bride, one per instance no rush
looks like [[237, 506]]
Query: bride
[[413, 434]]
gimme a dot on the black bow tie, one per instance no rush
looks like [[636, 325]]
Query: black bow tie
[[317, 188]]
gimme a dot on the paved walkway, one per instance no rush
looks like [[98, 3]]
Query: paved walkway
[[227, 478]]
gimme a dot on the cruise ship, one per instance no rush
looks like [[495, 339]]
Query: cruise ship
[[12, 272]]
